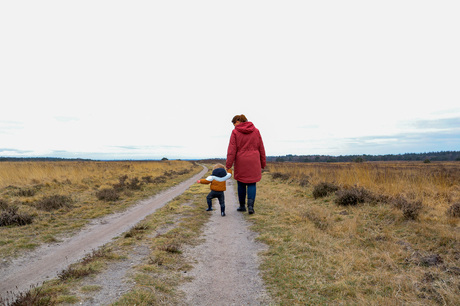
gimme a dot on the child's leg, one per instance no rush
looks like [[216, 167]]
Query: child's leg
[[221, 198], [209, 200]]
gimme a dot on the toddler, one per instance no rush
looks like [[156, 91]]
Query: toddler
[[218, 186]]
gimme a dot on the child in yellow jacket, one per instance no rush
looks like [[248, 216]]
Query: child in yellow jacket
[[218, 186]]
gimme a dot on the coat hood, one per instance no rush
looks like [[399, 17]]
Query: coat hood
[[245, 127], [219, 172]]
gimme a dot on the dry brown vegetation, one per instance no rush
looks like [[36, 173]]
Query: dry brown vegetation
[[154, 279], [39, 201], [370, 233]]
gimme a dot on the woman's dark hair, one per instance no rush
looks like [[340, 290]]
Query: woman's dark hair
[[240, 118]]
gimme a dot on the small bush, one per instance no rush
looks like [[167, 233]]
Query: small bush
[[169, 173], [147, 179], [454, 210], [304, 181], [280, 176], [54, 202], [136, 230], [3, 204], [411, 210], [159, 180], [134, 184], [10, 216], [348, 197], [354, 196], [324, 189], [399, 202], [26, 192], [74, 273], [171, 248], [35, 296], [108, 194], [121, 183]]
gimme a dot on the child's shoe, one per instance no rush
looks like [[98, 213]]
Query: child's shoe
[[209, 209], [222, 213]]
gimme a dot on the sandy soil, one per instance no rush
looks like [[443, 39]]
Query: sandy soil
[[226, 264], [226, 271], [45, 262]]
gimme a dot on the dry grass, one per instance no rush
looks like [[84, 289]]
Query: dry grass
[[369, 253], [436, 184], [165, 233], [61, 197]]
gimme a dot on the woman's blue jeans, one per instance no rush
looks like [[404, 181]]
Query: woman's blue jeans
[[249, 189]]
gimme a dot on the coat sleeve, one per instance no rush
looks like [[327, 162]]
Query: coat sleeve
[[231, 151], [263, 158]]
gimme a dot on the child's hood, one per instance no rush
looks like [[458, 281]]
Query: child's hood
[[219, 172]]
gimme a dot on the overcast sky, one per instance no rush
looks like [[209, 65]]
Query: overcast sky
[[152, 79]]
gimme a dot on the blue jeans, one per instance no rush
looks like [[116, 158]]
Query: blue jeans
[[249, 189]]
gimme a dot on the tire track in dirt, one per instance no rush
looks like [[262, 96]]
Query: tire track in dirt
[[226, 269], [48, 260]]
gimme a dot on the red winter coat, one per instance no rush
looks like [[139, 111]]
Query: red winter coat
[[246, 151]]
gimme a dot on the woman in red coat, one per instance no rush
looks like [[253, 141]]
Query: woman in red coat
[[247, 153]]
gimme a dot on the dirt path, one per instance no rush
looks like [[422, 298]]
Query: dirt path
[[45, 262], [226, 271]]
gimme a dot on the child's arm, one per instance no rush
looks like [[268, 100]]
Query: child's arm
[[204, 181]]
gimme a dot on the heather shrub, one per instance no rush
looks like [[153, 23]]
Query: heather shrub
[[3, 204], [356, 196], [454, 210], [134, 184], [349, 197], [411, 210], [323, 189], [54, 202], [304, 181], [25, 192], [280, 176], [147, 179], [35, 296], [10, 216], [159, 180], [108, 194], [399, 202], [121, 183]]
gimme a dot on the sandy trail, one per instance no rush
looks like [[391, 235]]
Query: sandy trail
[[226, 271], [48, 260]]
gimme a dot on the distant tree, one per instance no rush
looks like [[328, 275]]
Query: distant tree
[[164, 158], [358, 160], [427, 161]]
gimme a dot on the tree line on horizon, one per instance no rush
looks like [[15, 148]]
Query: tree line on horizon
[[430, 156]]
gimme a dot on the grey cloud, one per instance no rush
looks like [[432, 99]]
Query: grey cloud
[[443, 140], [10, 151], [446, 123]]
